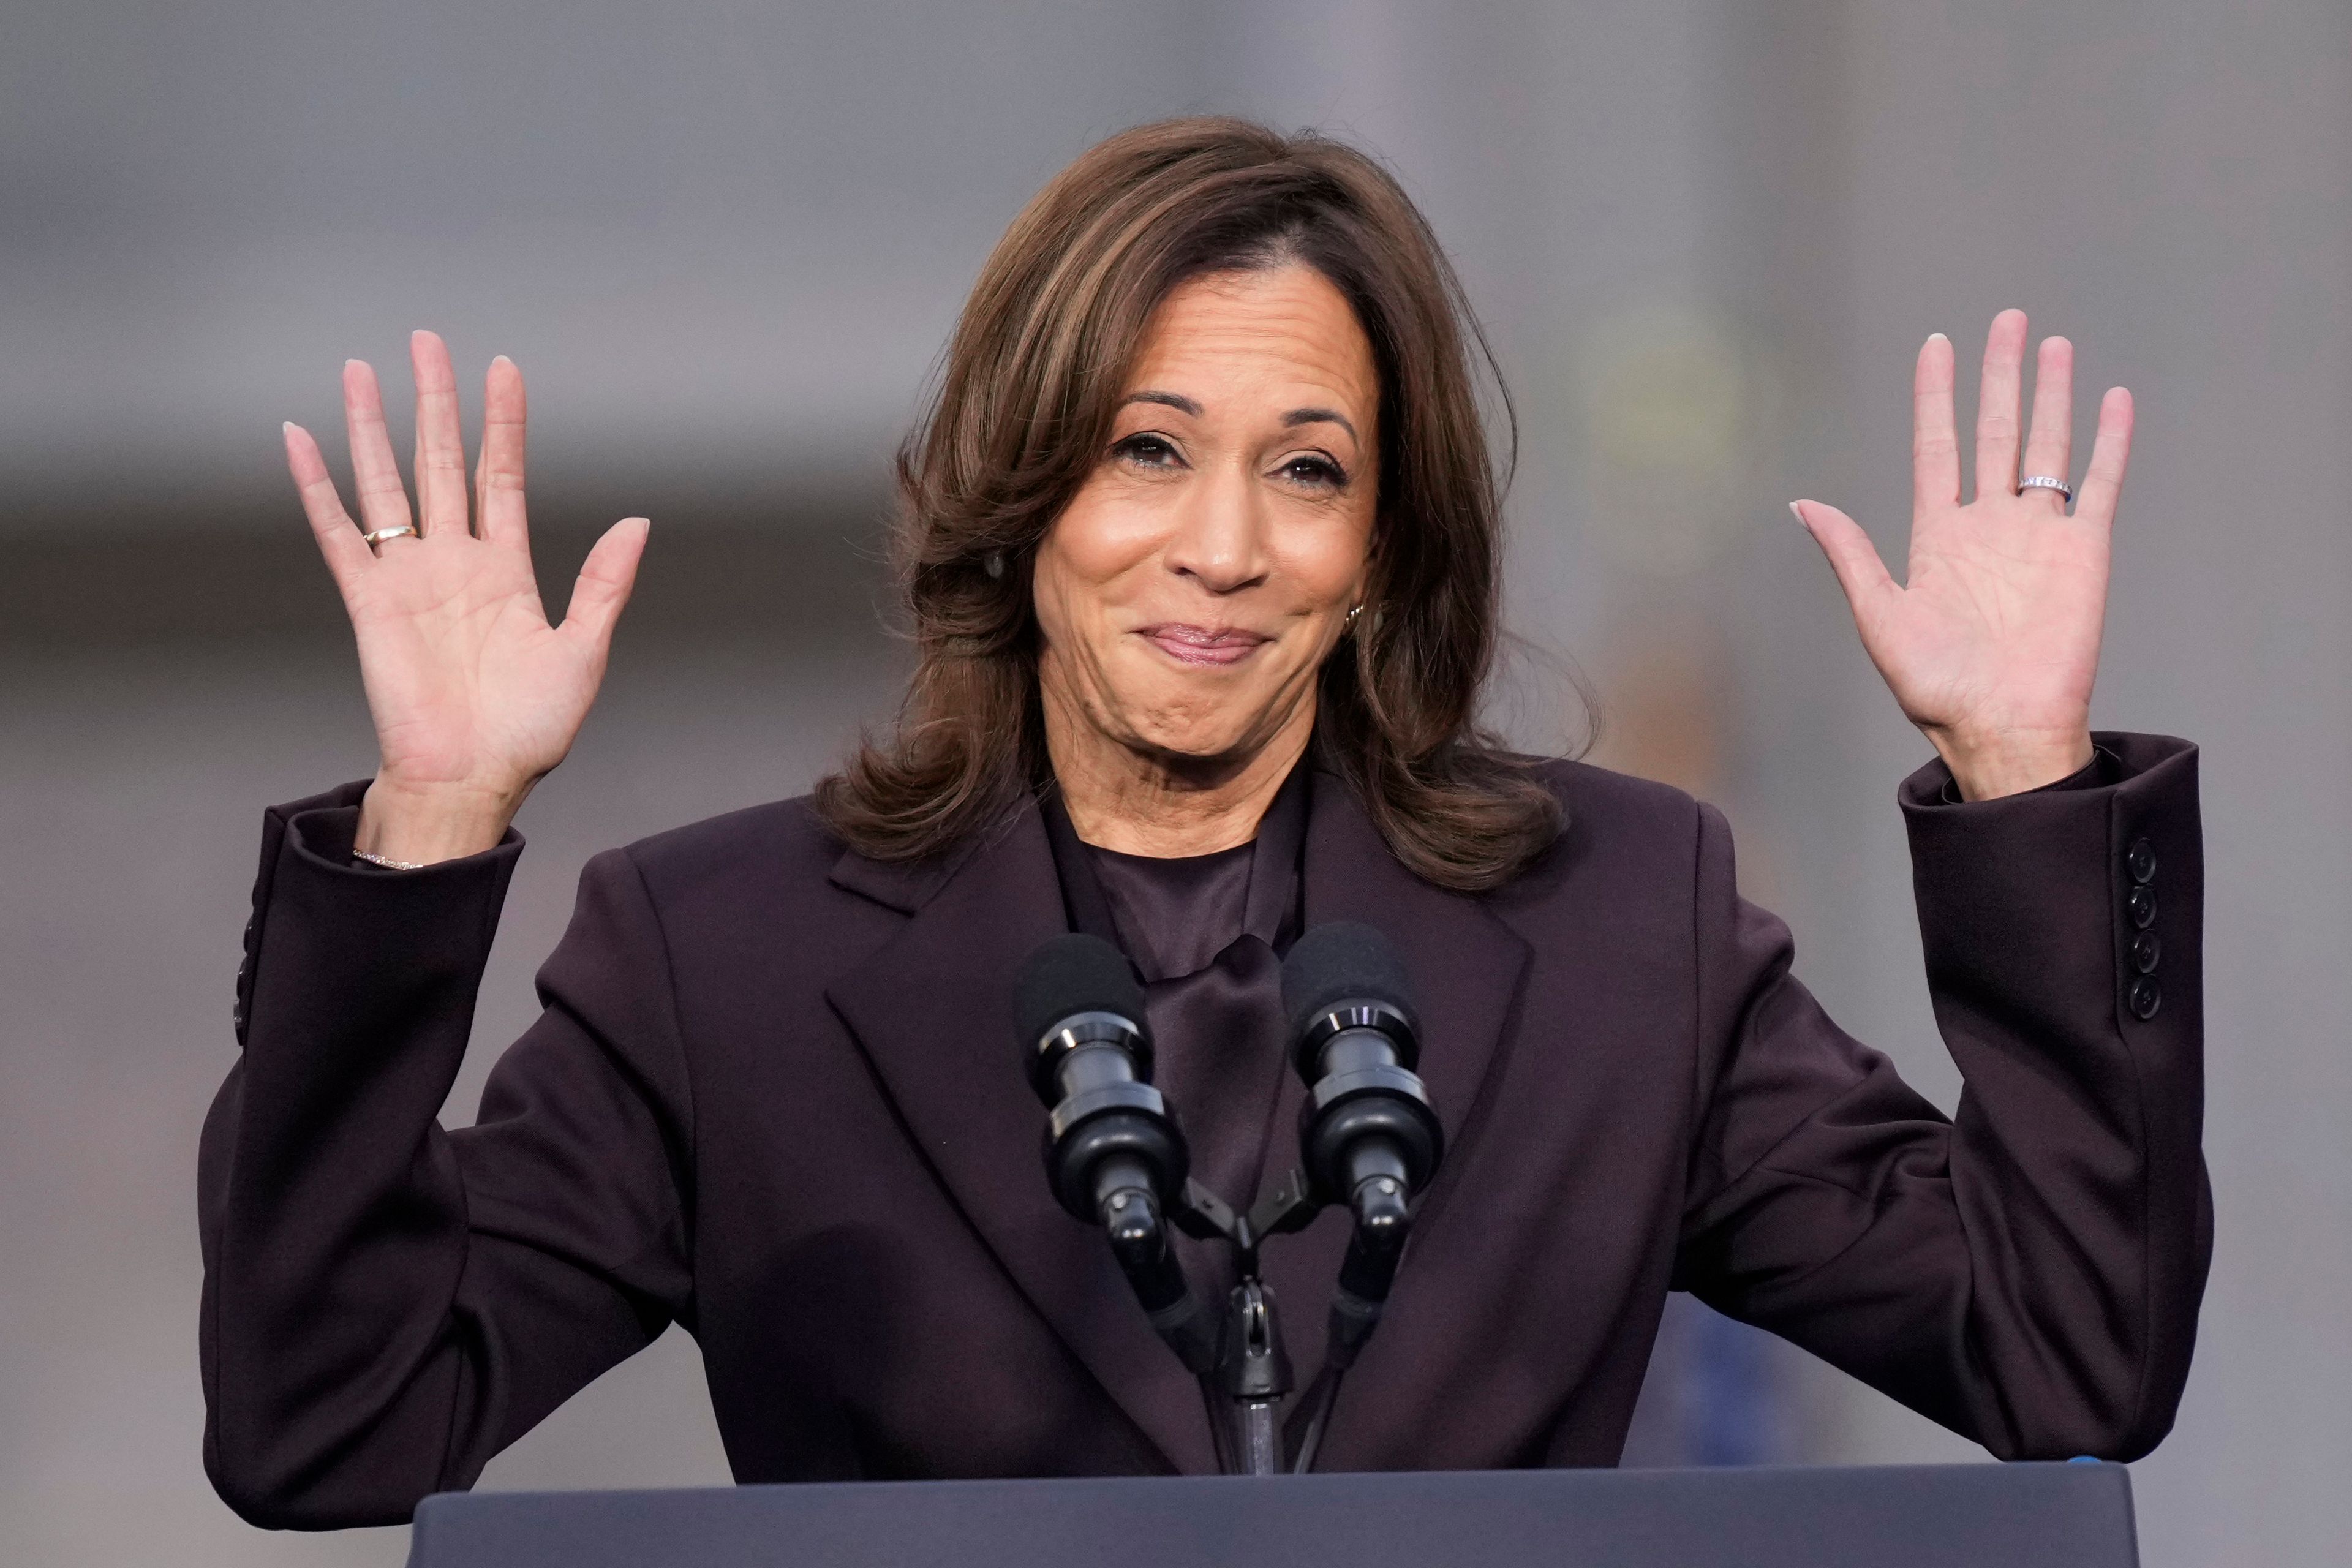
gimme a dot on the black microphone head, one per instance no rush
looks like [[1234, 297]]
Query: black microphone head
[[1071, 975], [1344, 961]]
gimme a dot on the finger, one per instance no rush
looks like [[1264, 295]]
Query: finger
[[1935, 445], [498, 483], [339, 537], [383, 502], [1868, 587], [440, 445], [2103, 480], [1998, 401], [605, 579], [2049, 445]]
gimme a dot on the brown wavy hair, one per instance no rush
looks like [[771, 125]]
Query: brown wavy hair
[[1021, 414]]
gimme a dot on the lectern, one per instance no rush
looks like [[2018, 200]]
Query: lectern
[[1946, 1516]]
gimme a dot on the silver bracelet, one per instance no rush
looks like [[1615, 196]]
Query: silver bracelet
[[387, 861]]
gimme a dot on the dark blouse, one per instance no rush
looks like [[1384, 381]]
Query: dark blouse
[[1207, 933]]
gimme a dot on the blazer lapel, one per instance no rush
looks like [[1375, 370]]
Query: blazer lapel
[[1467, 969], [1466, 966], [933, 1012]]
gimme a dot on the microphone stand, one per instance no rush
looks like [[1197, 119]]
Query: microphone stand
[[1251, 1377], [1243, 1368], [1368, 1138]]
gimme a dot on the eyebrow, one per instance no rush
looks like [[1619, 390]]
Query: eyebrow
[[1175, 400], [1297, 416], [1320, 416]]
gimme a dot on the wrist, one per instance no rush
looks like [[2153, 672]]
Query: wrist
[[423, 825], [1987, 767]]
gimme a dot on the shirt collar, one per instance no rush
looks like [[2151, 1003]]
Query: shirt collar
[[1272, 912]]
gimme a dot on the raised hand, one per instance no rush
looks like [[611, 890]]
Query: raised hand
[[1992, 643], [475, 696]]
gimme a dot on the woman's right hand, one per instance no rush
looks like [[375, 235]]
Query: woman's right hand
[[475, 696]]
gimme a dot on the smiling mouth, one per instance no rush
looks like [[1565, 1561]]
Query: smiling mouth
[[1201, 646]]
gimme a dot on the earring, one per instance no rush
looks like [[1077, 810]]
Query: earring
[[1353, 611], [993, 564]]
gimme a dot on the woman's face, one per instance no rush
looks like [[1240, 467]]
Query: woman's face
[[1190, 591]]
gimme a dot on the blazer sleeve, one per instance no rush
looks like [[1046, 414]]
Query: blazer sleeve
[[385, 1304], [2029, 1272]]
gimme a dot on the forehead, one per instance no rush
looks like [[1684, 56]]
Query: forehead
[[1258, 332]]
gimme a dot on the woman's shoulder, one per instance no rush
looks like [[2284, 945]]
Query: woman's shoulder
[[1617, 797], [779, 846], [1632, 836], [1601, 805]]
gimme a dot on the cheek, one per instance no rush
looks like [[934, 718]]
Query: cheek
[[1098, 543], [1109, 529], [1325, 560]]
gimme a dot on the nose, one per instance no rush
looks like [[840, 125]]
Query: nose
[[1220, 538]]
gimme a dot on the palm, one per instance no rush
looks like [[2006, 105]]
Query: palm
[[1992, 644], [470, 687], [464, 677]]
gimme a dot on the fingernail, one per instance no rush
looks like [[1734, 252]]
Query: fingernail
[[1796, 510], [287, 428], [1933, 336]]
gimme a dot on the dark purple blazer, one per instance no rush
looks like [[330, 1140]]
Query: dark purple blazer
[[775, 1097]]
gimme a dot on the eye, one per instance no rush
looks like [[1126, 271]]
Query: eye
[[1314, 470], [1148, 451]]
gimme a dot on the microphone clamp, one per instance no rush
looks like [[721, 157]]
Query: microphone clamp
[[1366, 1133], [1326, 1023], [1107, 1128]]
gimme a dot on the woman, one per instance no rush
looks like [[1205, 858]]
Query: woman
[[1201, 550]]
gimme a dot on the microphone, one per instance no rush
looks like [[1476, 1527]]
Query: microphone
[[1367, 1135], [1114, 1156]]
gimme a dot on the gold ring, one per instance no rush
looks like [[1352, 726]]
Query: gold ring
[[381, 534]]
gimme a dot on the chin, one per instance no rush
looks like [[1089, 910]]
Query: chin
[[1195, 742], [1200, 727]]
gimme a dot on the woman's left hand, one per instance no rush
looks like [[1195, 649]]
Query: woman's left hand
[[1992, 644]]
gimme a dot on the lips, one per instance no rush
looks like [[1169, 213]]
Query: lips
[[1205, 646]]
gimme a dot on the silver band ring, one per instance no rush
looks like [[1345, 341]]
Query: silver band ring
[[2044, 482], [381, 534]]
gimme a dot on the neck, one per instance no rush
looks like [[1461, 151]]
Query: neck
[[1138, 803]]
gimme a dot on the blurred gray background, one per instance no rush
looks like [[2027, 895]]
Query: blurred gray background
[[726, 240]]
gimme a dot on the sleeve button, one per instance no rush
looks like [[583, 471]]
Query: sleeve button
[[2141, 903], [2143, 997], [2145, 951], [2140, 858]]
